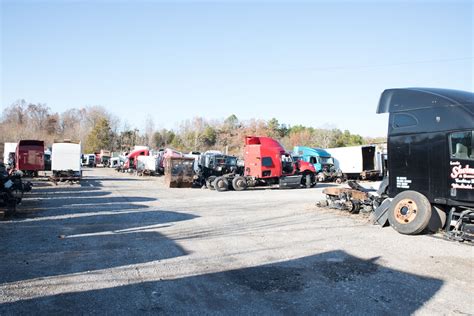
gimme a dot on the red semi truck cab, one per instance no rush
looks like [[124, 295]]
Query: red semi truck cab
[[266, 162], [265, 158], [131, 162], [30, 156]]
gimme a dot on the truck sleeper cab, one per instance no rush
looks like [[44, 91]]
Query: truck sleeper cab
[[131, 162], [430, 159]]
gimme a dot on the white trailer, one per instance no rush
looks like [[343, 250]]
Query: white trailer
[[365, 162], [114, 162], [66, 161], [8, 148], [147, 165]]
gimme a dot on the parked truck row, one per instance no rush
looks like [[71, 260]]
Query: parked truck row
[[29, 157], [265, 162], [426, 164]]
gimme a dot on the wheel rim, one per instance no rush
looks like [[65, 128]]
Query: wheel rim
[[240, 183], [220, 184], [406, 211]]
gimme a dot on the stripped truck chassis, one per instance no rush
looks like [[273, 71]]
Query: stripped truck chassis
[[66, 176], [56, 179], [356, 199], [353, 199], [285, 182]]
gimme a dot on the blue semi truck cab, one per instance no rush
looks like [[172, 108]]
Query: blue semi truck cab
[[322, 161]]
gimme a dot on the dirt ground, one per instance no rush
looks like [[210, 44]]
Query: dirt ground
[[121, 244]]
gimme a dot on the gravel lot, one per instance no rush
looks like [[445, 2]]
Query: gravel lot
[[120, 244]]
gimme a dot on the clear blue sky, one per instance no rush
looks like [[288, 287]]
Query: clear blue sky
[[312, 63]]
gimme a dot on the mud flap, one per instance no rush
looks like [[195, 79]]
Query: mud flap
[[380, 215], [290, 182]]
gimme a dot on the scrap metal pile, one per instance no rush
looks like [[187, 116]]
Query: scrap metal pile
[[12, 188], [354, 199]]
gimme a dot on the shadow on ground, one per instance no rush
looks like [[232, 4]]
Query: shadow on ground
[[327, 283], [55, 247], [89, 197], [63, 230]]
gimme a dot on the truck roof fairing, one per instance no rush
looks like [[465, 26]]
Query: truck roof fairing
[[265, 142], [313, 150], [408, 99]]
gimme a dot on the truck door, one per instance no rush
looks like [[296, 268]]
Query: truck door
[[461, 166], [409, 170], [316, 163], [267, 166]]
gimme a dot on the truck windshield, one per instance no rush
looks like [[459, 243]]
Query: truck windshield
[[326, 160], [461, 145], [231, 161]]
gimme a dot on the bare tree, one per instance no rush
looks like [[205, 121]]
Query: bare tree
[[149, 131]]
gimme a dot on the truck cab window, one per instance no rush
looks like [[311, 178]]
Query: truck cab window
[[312, 160], [404, 120], [267, 162], [461, 145]]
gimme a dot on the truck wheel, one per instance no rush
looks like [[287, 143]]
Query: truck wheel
[[10, 210], [353, 207], [338, 180], [210, 182], [321, 177], [221, 184], [409, 213], [306, 181], [314, 180], [239, 183], [437, 220]]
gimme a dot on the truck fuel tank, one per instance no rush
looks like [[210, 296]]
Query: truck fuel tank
[[290, 182]]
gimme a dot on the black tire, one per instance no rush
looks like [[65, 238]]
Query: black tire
[[409, 213], [321, 177], [306, 180], [314, 181], [210, 182], [10, 204], [10, 210], [239, 183], [354, 207], [338, 180], [221, 184], [437, 220]]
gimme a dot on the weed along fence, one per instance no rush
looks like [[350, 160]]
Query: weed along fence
[[179, 172]]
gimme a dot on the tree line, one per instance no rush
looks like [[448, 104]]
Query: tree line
[[96, 128]]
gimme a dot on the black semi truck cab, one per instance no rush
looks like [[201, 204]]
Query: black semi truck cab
[[430, 160]]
